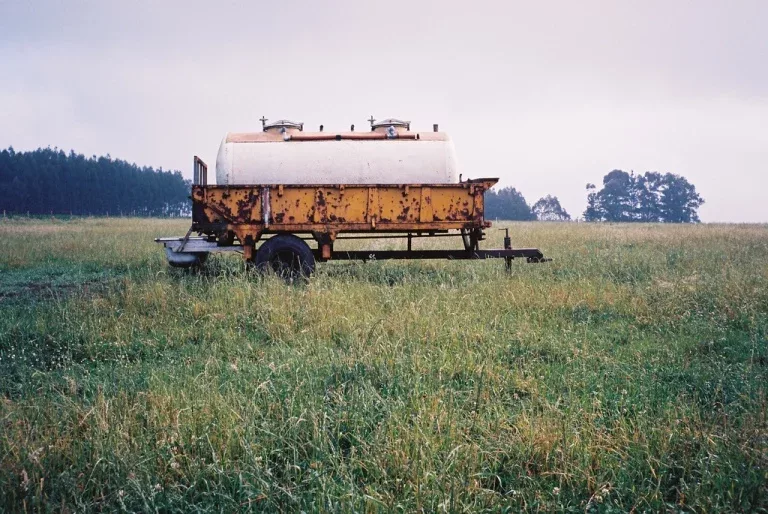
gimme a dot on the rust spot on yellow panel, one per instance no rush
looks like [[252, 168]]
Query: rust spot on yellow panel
[[425, 208]]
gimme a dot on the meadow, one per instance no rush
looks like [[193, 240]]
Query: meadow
[[628, 374]]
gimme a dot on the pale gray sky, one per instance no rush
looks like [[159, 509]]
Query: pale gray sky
[[546, 95]]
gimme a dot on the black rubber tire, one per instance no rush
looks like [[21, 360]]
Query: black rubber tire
[[287, 256]]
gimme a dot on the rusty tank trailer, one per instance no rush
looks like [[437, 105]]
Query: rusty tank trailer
[[272, 224]]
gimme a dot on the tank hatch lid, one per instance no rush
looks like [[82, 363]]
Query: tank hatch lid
[[390, 122], [280, 125]]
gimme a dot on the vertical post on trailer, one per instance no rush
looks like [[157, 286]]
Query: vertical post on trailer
[[471, 238], [200, 174], [508, 246]]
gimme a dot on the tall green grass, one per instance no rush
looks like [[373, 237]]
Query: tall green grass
[[628, 374]]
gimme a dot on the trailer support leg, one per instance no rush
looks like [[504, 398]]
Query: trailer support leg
[[508, 246], [467, 239], [248, 252], [324, 244]]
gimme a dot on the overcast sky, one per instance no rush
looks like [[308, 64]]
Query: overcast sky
[[545, 95]]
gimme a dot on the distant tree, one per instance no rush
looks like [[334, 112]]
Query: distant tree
[[651, 197], [548, 208], [679, 200], [647, 192], [617, 196], [48, 181], [593, 211], [507, 204]]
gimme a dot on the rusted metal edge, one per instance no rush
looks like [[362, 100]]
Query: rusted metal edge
[[466, 183], [347, 227]]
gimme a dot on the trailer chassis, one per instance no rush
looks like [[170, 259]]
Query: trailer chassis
[[281, 218], [189, 251]]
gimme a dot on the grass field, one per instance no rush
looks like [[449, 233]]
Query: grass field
[[629, 374]]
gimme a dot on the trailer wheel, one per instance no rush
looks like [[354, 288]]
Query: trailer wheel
[[286, 255]]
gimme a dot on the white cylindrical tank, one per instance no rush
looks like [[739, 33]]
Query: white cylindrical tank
[[284, 154]]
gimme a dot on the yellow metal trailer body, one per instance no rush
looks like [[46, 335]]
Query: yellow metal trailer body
[[333, 209]]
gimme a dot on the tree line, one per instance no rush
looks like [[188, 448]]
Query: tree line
[[50, 181], [624, 197]]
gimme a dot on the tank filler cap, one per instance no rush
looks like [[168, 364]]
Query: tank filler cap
[[282, 126], [390, 125]]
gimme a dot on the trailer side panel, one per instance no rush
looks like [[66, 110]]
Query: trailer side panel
[[332, 209]]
